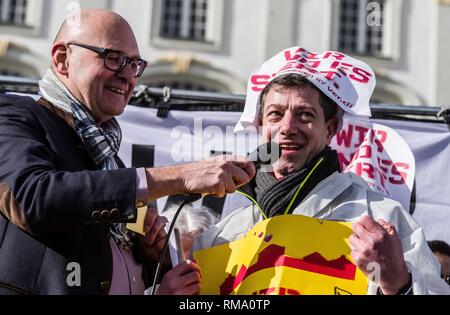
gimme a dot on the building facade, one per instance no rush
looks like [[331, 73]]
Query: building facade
[[214, 45]]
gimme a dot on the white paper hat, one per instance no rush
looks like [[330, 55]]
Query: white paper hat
[[347, 81]]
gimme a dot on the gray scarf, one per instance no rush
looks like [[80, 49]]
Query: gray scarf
[[102, 142], [274, 195]]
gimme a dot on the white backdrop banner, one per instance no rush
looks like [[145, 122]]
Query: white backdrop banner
[[386, 153]]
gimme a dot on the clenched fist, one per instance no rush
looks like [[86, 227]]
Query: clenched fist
[[378, 242]]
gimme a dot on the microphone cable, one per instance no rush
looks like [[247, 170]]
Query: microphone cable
[[189, 199]]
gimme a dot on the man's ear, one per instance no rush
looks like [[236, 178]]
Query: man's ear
[[60, 60], [332, 126]]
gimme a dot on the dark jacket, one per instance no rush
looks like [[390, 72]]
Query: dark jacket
[[55, 208]]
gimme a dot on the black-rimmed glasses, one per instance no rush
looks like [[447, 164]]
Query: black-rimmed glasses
[[116, 60]]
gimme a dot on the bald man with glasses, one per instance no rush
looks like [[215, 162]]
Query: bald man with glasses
[[65, 195]]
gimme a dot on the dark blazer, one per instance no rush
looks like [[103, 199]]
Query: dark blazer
[[55, 208]]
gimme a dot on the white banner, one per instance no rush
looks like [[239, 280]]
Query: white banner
[[379, 155], [389, 168]]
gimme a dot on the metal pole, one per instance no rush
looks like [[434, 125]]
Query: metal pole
[[14, 84]]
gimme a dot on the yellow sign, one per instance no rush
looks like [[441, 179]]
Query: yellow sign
[[138, 227], [284, 255]]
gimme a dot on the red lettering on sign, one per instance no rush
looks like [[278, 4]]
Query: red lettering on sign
[[342, 67], [343, 161], [401, 177], [311, 63], [297, 54], [361, 76], [345, 136], [384, 164], [365, 168], [329, 75], [259, 81], [335, 55], [362, 133], [365, 152], [297, 65], [382, 135]]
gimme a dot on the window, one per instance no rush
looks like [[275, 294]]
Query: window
[[184, 19], [187, 24], [13, 12], [21, 17], [362, 27]]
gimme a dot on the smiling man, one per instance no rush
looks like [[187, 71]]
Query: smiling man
[[302, 119], [295, 112], [65, 195]]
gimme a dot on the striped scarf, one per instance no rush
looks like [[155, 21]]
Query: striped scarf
[[102, 142]]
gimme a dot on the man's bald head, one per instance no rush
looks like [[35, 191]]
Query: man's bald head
[[80, 63], [93, 26]]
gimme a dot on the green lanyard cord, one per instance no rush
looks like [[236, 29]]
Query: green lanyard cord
[[301, 186], [293, 198], [254, 201]]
